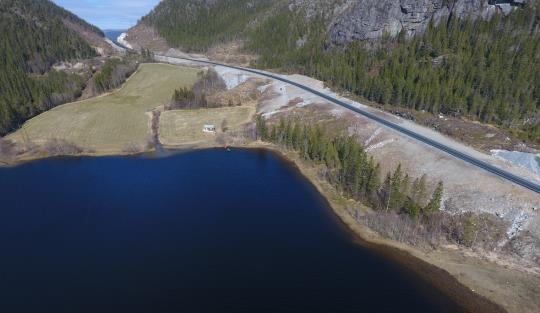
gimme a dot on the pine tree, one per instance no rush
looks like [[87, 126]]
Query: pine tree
[[396, 197], [386, 192], [412, 208], [435, 202], [417, 189], [373, 183], [262, 131]]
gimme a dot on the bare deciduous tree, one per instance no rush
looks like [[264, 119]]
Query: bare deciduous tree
[[224, 125], [482, 231], [155, 127], [209, 83], [57, 146], [7, 148]]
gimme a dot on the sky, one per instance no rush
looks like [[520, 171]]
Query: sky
[[109, 14]]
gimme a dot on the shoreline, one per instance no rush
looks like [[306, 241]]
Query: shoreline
[[441, 267], [32, 157], [401, 254], [426, 265]]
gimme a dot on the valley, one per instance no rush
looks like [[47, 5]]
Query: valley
[[130, 106], [416, 121]]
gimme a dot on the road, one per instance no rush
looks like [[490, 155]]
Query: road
[[437, 145]]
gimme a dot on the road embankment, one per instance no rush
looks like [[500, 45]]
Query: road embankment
[[464, 275]]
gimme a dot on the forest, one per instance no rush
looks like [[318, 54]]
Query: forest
[[113, 73], [32, 38], [208, 83], [482, 70], [403, 207], [352, 171], [195, 27]]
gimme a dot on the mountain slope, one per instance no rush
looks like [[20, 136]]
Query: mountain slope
[[196, 25], [34, 35], [462, 58]]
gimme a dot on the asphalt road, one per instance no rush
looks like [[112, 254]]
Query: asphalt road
[[437, 145]]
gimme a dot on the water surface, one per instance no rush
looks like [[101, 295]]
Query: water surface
[[205, 231]]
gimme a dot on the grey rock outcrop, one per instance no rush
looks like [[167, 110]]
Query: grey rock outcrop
[[370, 19]]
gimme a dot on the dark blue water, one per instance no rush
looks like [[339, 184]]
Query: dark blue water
[[206, 231]]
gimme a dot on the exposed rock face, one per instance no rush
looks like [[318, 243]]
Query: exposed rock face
[[370, 19], [348, 20]]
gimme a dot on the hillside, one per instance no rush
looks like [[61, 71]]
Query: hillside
[[462, 58], [35, 35], [196, 25], [199, 24]]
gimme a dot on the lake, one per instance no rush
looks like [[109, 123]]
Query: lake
[[203, 231]]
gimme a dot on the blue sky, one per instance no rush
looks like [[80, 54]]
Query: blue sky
[[109, 14]]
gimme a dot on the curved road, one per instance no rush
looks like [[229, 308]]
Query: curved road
[[453, 152]]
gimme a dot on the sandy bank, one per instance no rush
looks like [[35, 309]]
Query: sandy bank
[[469, 279]]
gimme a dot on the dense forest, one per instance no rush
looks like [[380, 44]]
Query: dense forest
[[194, 26], [32, 38], [485, 70]]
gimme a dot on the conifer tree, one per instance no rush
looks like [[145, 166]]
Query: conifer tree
[[261, 128], [418, 192], [435, 202], [396, 197]]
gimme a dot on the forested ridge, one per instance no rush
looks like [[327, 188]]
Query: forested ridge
[[196, 25], [33, 37], [481, 70]]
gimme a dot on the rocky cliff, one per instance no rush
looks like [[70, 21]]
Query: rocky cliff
[[352, 20], [347, 20]]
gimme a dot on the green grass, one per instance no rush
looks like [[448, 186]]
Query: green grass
[[112, 122]]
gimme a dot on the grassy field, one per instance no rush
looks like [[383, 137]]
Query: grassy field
[[113, 122], [182, 127]]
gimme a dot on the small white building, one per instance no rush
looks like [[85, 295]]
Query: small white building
[[209, 128]]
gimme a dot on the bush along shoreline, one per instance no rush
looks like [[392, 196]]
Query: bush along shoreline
[[403, 208]]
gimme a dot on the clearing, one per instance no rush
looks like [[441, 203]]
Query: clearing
[[113, 122], [181, 127]]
